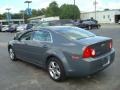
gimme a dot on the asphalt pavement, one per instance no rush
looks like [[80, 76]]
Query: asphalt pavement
[[24, 76]]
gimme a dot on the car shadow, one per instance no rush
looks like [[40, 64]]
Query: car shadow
[[96, 78]]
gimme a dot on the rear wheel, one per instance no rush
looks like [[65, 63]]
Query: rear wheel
[[55, 69], [98, 26], [89, 27], [12, 54]]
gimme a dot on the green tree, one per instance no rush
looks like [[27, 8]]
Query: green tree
[[53, 9], [16, 16], [34, 12], [4, 15], [1, 16], [69, 12], [37, 12], [43, 11]]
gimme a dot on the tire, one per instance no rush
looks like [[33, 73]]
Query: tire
[[98, 27], [55, 69], [12, 54], [89, 27]]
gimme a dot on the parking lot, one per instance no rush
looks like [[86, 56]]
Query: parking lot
[[23, 76]]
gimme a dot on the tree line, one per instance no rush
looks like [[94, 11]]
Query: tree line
[[66, 11]]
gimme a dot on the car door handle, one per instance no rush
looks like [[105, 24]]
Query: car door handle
[[45, 46]]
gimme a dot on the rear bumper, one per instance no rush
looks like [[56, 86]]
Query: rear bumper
[[92, 65]]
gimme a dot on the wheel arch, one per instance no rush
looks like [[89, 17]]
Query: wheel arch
[[9, 46], [50, 56], [62, 59]]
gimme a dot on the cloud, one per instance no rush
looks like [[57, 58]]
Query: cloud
[[12, 9], [113, 5], [84, 5], [38, 4]]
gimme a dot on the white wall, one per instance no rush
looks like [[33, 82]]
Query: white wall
[[50, 18], [101, 16]]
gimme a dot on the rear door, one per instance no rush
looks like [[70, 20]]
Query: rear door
[[42, 42]]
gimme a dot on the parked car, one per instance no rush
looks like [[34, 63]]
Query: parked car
[[0, 27], [23, 27], [119, 22], [12, 28], [54, 23], [5, 28], [63, 51], [88, 24], [91, 20]]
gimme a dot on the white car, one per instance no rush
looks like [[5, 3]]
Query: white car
[[22, 27], [119, 21], [5, 28]]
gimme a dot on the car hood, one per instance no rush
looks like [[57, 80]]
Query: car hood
[[92, 40]]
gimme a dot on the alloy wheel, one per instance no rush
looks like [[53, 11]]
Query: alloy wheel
[[54, 70]]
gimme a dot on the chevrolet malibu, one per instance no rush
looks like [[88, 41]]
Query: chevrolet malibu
[[63, 51]]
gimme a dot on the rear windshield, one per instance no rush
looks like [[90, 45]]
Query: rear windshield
[[75, 33]]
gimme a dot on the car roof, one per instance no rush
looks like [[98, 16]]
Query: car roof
[[52, 28], [49, 28]]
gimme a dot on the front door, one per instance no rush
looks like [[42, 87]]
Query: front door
[[22, 48]]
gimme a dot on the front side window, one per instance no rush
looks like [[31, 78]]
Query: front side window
[[26, 36], [42, 36]]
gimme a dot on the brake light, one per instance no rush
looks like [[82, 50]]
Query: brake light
[[110, 44], [88, 52]]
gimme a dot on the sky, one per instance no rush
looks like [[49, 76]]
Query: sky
[[84, 5]]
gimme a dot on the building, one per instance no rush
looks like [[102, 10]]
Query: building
[[36, 19], [106, 16], [14, 21], [42, 18]]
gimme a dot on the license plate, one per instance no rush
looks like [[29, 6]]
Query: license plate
[[108, 61]]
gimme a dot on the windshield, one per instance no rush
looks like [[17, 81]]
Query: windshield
[[75, 33]]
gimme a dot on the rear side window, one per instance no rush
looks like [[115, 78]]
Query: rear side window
[[42, 36], [74, 33]]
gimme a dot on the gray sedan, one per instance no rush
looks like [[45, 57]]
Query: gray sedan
[[63, 51]]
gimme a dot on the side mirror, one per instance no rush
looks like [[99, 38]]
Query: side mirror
[[15, 38]]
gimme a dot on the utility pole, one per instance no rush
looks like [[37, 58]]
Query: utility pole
[[28, 2], [28, 8], [95, 3], [23, 15], [8, 17], [74, 10]]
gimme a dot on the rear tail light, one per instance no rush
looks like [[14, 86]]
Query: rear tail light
[[89, 52], [110, 44]]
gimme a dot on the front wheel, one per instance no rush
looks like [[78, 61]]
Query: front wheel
[[12, 54], [55, 69]]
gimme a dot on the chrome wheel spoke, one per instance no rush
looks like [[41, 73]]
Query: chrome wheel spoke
[[58, 72], [11, 54], [53, 64]]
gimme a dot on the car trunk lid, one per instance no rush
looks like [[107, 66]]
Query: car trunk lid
[[98, 43]]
